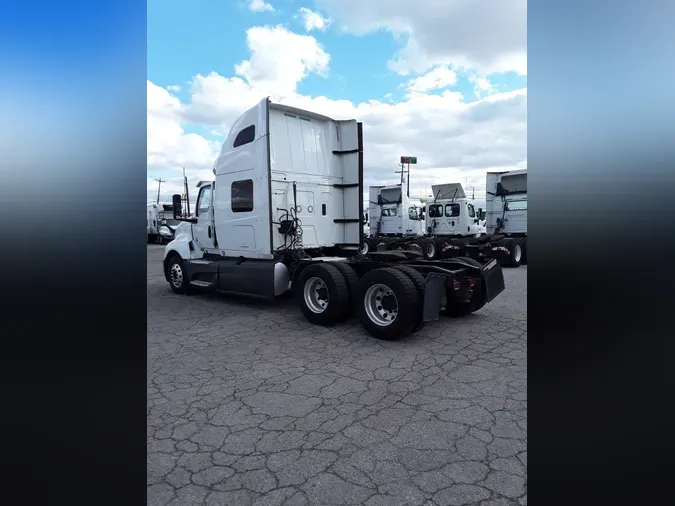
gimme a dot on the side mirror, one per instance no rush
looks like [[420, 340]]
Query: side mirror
[[177, 206]]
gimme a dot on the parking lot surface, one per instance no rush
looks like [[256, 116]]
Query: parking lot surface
[[249, 404]]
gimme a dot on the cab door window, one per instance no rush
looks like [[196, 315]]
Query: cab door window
[[204, 200]]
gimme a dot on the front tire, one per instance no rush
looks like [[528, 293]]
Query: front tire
[[515, 252], [429, 249], [323, 294], [388, 304], [178, 278]]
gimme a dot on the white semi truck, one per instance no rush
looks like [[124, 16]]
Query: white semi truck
[[160, 223], [285, 212], [395, 220], [506, 220], [451, 221], [439, 228]]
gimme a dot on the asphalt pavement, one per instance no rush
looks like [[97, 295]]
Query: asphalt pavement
[[249, 404]]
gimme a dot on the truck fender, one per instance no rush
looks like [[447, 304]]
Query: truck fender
[[181, 248]]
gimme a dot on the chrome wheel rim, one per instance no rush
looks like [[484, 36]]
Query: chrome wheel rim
[[176, 275], [431, 250], [517, 252], [381, 305], [315, 293], [364, 248]]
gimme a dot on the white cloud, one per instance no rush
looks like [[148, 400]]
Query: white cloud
[[482, 86], [259, 6], [452, 138], [314, 20], [440, 77], [170, 148], [280, 58], [488, 36], [173, 87]]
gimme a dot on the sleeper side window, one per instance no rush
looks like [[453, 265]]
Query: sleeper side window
[[242, 196]]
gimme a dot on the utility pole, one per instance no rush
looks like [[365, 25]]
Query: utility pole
[[160, 181], [187, 195], [473, 193], [407, 160]]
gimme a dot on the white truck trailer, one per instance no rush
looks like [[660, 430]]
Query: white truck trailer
[[285, 212]]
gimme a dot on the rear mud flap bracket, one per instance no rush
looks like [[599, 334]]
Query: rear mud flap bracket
[[433, 295]]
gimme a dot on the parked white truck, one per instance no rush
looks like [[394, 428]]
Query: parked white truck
[[160, 223], [506, 220], [285, 212], [451, 221], [395, 220]]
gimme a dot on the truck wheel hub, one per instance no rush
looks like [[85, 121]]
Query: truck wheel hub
[[381, 305], [316, 295], [176, 275]]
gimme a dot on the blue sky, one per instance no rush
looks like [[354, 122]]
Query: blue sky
[[453, 141], [202, 36]]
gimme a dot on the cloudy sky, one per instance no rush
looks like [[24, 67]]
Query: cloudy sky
[[443, 80]]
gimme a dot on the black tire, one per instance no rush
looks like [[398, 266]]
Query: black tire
[[405, 296], [336, 289], [524, 244], [352, 283], [420, 284], [515, 247], [429, 249], [365, 247], [178, 279]]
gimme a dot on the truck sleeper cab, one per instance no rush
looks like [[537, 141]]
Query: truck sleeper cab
[[285, 212]]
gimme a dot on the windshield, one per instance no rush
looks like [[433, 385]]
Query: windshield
[[391, 195]]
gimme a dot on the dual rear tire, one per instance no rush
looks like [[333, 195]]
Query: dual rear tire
[[387, 301]]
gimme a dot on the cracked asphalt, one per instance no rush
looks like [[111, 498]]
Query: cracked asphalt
[[249, 404]]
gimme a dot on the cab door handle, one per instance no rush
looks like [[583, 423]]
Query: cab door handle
[[209, 231]]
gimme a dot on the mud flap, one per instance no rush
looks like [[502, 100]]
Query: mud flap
[[434, 291], [493, 279]]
